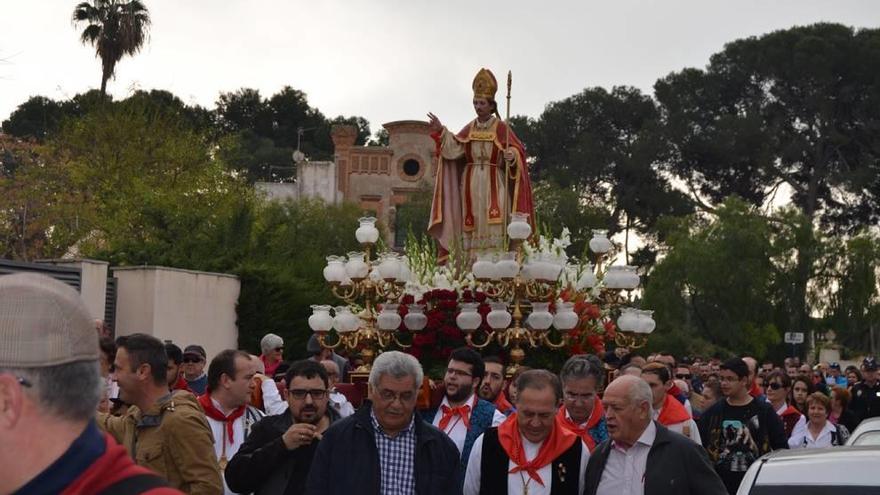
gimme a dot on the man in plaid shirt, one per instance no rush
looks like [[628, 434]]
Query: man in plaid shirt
[[384, 448]]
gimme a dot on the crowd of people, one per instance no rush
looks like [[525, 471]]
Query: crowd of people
[[83, 414]]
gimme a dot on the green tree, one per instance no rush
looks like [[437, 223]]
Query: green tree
[[713, 288], [854, 309], [795, 107], [115, 28]]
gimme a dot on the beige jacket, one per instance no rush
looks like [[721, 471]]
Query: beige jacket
[[173, 439]]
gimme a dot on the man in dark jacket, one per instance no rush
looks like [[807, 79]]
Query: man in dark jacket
[[664, 462], [276, 456], [384, 447]]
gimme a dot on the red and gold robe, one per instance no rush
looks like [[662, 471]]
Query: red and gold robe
[[474, 192]]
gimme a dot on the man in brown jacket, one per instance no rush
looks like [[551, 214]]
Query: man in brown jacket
[[164, 432]]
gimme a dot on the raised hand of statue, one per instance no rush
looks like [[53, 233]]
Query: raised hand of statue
[[434, 124]]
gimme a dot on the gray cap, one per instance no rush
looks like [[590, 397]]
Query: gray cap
[[43, 322]]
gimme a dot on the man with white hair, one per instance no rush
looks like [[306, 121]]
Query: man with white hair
[[384, 446], [266, 396], [50, 385], [642, 456], [338, 401]]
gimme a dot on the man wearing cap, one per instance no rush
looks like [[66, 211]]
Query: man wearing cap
[[865, 401], [165, 432], [49, 389], [194, 359], [834, 378]]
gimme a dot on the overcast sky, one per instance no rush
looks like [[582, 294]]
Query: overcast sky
[[391, 60]]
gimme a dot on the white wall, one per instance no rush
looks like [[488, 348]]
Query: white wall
[[93, 283], [187, 307]]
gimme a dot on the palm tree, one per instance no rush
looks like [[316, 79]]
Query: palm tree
[[116, 28]]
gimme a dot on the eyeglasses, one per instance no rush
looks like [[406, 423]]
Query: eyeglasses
[[279, 349], [774, 385], [683, 377], [24, 382], [192, 360], [390, 396], [300, 393], [457, 372]]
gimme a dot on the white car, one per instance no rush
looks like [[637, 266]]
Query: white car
[[830, 471], [867, 433]]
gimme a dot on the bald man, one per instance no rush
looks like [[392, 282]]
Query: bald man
[[338, 401], [664, 462]]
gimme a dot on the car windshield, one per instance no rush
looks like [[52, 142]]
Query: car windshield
[[867, 438]]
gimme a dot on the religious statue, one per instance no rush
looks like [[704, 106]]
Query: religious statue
[[482, 177]]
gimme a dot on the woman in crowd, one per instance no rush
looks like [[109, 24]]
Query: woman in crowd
[[801, 387], [853, 376], [777, 386], [818, 432], [840, 415]]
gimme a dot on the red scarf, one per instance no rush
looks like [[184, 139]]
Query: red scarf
[[674, 390], [215, 414], [755, 391], [502, 404], [673, 412], [559, 440], [790, 411], [584, 432], [464, 412]]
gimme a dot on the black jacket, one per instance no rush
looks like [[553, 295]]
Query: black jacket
[[676, 466], [264, 466], [351, 443]]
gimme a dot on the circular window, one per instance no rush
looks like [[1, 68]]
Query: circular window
[[411, 167]]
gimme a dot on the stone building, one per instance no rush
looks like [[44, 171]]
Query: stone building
[[381, 179]]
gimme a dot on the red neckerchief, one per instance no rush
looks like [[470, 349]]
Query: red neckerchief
[[181, 384], [502, 404], [583, 431], [674, 390], [673, 412], [463, 411], [755, 391], [214, 413], [789, 411], [559, 440]]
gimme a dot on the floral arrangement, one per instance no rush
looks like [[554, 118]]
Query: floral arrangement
[[442, 288]]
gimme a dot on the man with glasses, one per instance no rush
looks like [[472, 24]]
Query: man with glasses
[[384, 448], [338, 401], [462, 414], [277, 455], [194, 358], [582, 376], [739, 429]]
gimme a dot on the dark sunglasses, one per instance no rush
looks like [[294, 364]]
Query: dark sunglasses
[[683, 377], [192, 360], [774, 385], [279, 349]]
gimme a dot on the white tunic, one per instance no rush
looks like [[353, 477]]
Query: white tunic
[[240, 427], [456, 430], [516, 482]]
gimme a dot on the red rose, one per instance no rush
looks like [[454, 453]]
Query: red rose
[[592, 311], [407, 299], [447, 305], [480, 297]]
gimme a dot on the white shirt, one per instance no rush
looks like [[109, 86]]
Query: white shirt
[[218, 430], [455, 430], [624, 472], [693, 432], [514, 480], [272, 401], [341, 404], [801, 438]]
